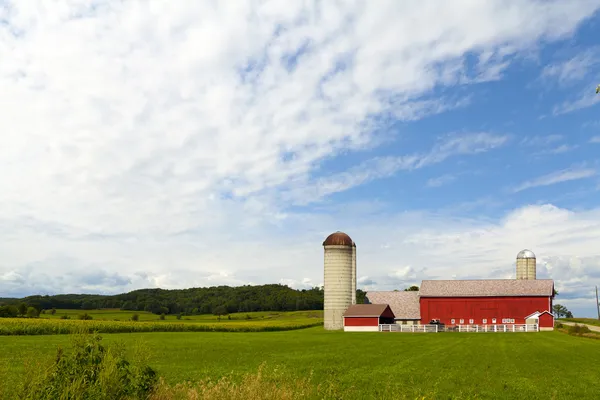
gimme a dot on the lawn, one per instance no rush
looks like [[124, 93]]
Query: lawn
[[365, 365]]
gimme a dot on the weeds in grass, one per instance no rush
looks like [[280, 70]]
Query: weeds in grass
[[90, 371], [266, 384]]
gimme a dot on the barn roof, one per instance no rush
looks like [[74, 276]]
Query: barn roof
[[487, 287], [405, 305], [366, 310]]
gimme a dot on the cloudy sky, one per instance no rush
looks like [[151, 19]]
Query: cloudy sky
[[179, 144]]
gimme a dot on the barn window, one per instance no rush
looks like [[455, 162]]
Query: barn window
[[471, 321], [493, 320], [462, 321], [452, 321], [512, 321], [485, 320]]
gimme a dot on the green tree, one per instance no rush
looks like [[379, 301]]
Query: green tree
[[53, 311], [32, 312], [412, 288], [219, 311], [135, 317], [22, 307], [561, 311]]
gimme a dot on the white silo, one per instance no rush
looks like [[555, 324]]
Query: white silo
[[353, 273], [526, 265], [338, 267]]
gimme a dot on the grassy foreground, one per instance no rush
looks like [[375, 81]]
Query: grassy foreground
[[549, 365]]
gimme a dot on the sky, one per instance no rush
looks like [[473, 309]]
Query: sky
[[190, 144]]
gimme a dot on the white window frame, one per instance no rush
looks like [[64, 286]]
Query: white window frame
[[462, 321], [453, 321], [471, 321], [493, 320], [485, 321], [512, 320]]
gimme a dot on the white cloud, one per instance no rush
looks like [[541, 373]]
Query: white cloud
[[587, 98], [595, 139], [574, 69], [154, 142], [542, 140], [440, 180], [446, 147], [565, 175]]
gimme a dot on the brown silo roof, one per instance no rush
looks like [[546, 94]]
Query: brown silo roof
[[369, 310], [405, 305], [338, 239], [487, 288]]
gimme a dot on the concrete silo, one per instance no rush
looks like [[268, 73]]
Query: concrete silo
[[526, 265], [353, 273], [338, 266]]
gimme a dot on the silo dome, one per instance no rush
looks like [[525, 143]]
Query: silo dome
[[338, 239], [526, 254]]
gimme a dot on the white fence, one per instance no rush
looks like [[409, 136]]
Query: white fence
[[459, 328], [407, 328], [499, 328]]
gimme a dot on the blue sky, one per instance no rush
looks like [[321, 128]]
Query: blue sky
[[153, 145]]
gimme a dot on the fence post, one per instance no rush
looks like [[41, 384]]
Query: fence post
[[525, 327], [413, 328], [436, 329]]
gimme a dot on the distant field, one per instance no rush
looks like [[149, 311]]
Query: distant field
[[546, 365], [588, 321], [106, 321], [118, 315]]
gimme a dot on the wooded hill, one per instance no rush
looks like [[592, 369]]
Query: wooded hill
[[210, 300]]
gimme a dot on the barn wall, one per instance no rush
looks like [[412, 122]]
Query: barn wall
[[361, 321], [546, 321], [479, 308]]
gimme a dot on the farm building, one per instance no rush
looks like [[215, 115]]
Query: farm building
[[473, 302], [525, 300], [367, 317], [486, 301], [404, 305], [545, 320]]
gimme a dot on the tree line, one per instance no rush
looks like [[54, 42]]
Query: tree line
[[211, 300]]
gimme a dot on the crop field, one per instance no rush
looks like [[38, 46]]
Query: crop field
[[118, 315], [103, 323], [549, 365]]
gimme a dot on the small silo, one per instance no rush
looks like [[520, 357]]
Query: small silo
[[526, 268], [338, 271], [353, 273]]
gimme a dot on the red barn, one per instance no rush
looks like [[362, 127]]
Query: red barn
[[367, 317], [486, 302]]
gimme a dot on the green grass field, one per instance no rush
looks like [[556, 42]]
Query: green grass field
[[549, 365]]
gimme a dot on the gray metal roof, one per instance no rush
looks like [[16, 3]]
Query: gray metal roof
[[487, 287], [526, 254], [405, 305]]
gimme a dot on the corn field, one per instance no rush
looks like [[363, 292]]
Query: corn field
[[32, 326]]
